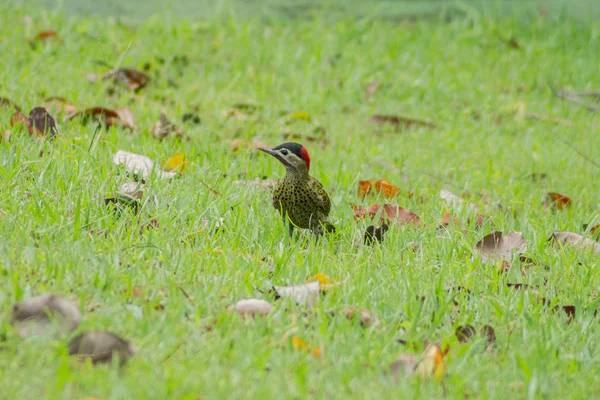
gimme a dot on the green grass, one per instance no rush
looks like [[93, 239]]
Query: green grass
[[459, 75]]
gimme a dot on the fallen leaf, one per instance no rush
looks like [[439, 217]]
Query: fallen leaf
[[130, 78], [106, 116], [575, 240], [18, 118], [39, 315], [251, 307], [365, 316], [374, 234], [101, 347], [432, 362], [301, 294], [400, 121], [5, 135], [490, 336], [126, 117], [42, 122], [323, 279], [496, 246], [390, 213], [558, 200], [43, 36], [132, 189], [137, 164], [464, 333], [177, 163], [49, 34], [593, 230], [165, 128], [381, 186]]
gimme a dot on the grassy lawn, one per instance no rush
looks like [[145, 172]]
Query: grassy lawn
[[168, 289]]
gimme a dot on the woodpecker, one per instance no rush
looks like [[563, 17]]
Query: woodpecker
[[299, 197]]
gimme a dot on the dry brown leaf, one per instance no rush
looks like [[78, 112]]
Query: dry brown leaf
[[374, 234], [39, 315], [165, 128], [43, 36], [122, 116], [42, 122], [464, 333], [130, 78], [101, 347], [400, 121], [575, 240], [137, 164], [490, 336], [390, 213], [380, 186], [302, 294], [251, 307], [496, 246], [558, 200]]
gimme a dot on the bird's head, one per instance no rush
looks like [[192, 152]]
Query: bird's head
[[292, 155]]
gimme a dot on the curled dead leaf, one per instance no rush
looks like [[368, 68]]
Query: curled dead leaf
[[496, 246], [464, 333], [575, 240], [374, 234], [101, 347], [39, 315], [558, 200], [454, 201], [107, 117], [165, 128], [389, 214], [130, 78], [380, 186]]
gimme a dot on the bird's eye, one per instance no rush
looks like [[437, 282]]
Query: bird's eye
[[284, 152]]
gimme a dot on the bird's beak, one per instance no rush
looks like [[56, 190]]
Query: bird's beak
[[268, 151], [274, 154]]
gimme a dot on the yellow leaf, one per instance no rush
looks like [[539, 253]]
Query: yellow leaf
[[299, 344], [322, 278], [432, 362], [176, 163], [317, 352], [300, 115]]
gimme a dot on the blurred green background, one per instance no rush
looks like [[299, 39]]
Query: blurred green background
[[389, 9]]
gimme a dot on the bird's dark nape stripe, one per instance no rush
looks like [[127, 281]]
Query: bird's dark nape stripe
[[291, 146]]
